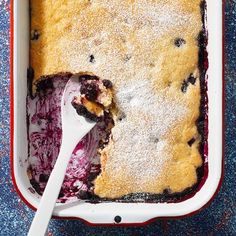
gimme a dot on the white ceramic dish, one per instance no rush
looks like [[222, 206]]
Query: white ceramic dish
[[104, 213]]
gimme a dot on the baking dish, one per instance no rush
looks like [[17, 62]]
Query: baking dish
[[107, 212]]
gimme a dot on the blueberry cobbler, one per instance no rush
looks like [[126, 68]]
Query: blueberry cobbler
[[142, 70]]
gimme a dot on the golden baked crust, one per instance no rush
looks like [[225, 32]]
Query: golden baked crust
[[148, 49]]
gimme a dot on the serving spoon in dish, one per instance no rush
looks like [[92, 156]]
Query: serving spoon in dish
[[74, 128]]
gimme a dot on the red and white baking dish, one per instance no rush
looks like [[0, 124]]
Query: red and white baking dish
[[104, 213]]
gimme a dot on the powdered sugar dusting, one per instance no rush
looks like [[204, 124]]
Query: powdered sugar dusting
[[141, 145], [118, 32]]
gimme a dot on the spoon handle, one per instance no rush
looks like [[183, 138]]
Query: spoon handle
[[51, 192]]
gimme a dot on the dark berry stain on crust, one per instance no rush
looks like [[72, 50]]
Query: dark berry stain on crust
[[179, 42], [127, 57]]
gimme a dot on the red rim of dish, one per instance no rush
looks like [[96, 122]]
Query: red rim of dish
[[77, 218]]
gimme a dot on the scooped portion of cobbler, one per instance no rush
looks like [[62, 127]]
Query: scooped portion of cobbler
[[95, 98]]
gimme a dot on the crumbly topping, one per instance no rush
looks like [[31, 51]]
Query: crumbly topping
[[140, 139]]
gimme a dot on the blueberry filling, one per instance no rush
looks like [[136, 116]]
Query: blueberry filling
[[45, 86], [34, 35], [44, 113], [90, 90], [179, 42]]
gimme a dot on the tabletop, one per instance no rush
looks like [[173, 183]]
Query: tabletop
[[218, 219]]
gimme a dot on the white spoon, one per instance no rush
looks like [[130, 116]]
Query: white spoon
[[74, 128]]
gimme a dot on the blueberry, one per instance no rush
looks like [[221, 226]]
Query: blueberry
[[45, 86], [81, 110], [90, 91], [184, 86], [92, 176], [35, 185], [167, 191], [191, 142], [30, 73], [107, 83], [43, 178], [191, 79], [179, 42], [92, 59], [34, 35], [92, 117], [84, 195], [74, 104], [83, 78]]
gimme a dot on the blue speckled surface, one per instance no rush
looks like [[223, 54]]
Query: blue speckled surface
[[218, 219]]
